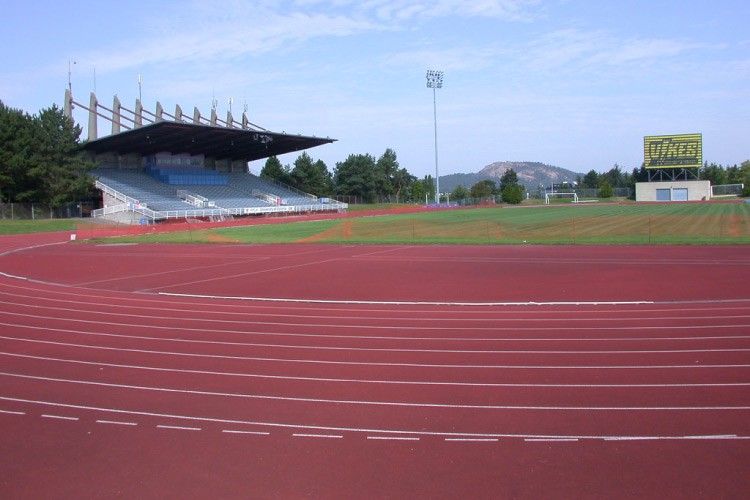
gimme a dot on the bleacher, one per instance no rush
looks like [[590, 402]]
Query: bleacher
[[176, 187]]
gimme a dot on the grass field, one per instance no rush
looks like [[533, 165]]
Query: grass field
[[707, 223], [36, 226]]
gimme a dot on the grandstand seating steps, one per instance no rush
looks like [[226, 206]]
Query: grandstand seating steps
[[243, 193]]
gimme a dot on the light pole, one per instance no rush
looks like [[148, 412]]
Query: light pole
[[435, 81]]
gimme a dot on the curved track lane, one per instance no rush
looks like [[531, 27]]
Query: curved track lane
[[636, 381]]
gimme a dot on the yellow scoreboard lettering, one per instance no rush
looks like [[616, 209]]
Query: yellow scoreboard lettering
[[673, 151]]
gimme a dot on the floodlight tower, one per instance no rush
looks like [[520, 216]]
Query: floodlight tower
[[435, 81]]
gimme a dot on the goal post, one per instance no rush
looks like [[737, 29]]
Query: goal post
[[561, 195]]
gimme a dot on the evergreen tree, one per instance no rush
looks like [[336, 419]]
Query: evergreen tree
[[509, 178], [311, 177], [273, 170], [40, 159], [355, 176]]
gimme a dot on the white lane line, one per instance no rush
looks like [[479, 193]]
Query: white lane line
[[323, 436], [550, 440], [366, 381], [128, 302], [668, 438], [59, 417], [373, 337], [13, 276], [370, 363], [340, 325], [407, 404], [10, 412], [339, 317], [254, 433], [473, 440], [285, 425], [392, 438], [116, 422], [384, 349], [178, 428], [405, 302]]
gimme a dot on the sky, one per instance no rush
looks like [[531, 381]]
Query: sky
[[575, 84]]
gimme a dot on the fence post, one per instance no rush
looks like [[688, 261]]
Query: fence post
[[33, 217], [11, 211]]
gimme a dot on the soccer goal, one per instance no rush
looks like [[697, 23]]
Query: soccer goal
[[561, 195], [721, 190]]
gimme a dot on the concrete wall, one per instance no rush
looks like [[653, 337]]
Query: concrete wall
[[697, 190]]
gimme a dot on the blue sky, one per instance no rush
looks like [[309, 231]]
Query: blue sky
[[576, 84]]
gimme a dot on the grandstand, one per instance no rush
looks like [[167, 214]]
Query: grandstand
[[172, 167]]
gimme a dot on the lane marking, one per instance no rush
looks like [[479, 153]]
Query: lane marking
[[401, 302], [13, 276], [551, 440], [241, 308], [377, 349], [254, 433], [392, 438], [116, 422], [177, 427], [357, 326], [660, 438], [284, 425], [369, 363], [562, 314], [473, 440], [324, 436], [11, 412], [371, 337], [407, 404], [59, 417], [365, 381]]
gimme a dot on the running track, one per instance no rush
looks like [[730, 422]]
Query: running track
[[147, 371]]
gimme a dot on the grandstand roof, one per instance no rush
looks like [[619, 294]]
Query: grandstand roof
[[212, 141]]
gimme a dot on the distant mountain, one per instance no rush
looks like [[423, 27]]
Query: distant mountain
[[530, 174]]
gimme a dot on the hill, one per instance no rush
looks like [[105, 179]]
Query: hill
[[530, 173]]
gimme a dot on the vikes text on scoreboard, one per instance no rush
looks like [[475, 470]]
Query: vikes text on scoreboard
[[673, 151]]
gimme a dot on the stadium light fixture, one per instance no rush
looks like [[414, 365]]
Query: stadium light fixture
[[434, 82]]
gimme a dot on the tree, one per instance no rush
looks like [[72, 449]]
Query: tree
[[483, 189], [311, 177], [512, 193], [273, 170], [40, 159], [605, 189], [355, 176], [509, 178], [460, 193], [713, 173], [386, 168], [590, 180], [417, 191], [401, 182]]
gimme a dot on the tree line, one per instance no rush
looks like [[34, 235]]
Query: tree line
[[39, 158], [360, 176]]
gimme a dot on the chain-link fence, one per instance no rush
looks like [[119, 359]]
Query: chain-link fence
[[33, 211]]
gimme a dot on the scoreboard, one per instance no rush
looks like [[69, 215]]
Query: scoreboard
[[673, 151]]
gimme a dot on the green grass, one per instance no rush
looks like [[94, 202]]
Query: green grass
[[706, 223], [16, 226]]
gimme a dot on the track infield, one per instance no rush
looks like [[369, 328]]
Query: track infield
[[154, 370]]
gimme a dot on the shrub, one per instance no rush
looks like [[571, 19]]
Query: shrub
[[512, 194]]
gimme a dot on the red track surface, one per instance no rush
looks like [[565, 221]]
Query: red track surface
[[109, 388]]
